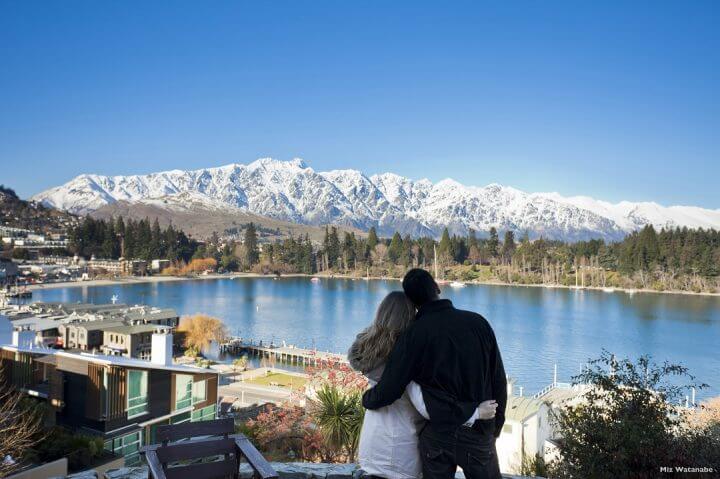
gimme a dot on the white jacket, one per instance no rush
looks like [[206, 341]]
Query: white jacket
[[389, 440]]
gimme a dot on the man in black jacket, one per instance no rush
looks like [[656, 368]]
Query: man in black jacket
[[454, 357]]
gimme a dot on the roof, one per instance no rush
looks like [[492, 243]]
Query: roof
[[520, 408], [132, 329], [147, 313], [76, 307], [36, 324], [51, 355], [559, 395], [95, 325]]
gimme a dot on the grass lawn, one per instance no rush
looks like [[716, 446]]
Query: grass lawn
[[279, 379]]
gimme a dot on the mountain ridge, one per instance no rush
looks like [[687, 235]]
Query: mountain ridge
[[293, 191]]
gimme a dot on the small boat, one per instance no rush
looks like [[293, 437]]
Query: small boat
[[609, 290], [457, 284], [315, 279]]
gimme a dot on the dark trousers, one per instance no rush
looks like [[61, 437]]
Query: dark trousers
[[473, 450]]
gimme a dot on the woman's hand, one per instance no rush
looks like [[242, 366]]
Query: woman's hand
[[486, 409]]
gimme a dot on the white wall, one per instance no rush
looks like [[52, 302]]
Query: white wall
[[508, 447], [528, 437]]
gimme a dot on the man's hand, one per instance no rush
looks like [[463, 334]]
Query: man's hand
[[486, 409]]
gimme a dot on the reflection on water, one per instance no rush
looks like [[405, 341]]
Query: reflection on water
[[536, 327]]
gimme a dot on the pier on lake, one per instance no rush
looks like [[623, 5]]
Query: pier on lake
[[285, 353]]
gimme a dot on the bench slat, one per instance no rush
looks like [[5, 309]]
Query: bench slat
[[263, 468], [195, 449], [216, 427], [227, 468], [156, 469], [233, 447]]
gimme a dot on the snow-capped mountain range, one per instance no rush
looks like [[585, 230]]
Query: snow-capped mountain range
[[292, 191]]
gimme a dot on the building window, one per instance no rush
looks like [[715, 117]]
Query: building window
[[199, 391], [180, 418], [183, 391], [137, 392], [204, 414], [127, 446]]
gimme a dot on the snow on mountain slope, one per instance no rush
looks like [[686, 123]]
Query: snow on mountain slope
[[632, 216], [292, 191]]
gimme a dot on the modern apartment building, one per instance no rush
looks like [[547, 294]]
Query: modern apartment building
[[123, 400]]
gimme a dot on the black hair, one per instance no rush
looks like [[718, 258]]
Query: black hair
[[420, 287]]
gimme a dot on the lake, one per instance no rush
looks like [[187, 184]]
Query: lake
[[535, 327]]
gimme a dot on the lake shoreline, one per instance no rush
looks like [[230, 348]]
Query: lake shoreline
[[163, 279], [518, 285]]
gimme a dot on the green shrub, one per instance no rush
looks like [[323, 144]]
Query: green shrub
[[81, 450]]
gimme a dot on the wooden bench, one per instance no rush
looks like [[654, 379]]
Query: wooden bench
[[171, 460]]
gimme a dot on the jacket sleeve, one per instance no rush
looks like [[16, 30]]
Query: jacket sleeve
[[402, 365], [499, 384]]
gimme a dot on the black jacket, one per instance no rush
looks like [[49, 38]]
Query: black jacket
[[454, 357]]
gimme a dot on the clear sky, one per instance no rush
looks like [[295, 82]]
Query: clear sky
[[616, 100]]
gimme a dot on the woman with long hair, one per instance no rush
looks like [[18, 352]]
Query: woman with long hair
[[389, 439]]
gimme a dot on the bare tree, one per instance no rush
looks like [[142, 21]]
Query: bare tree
[[415, 249], [379, 254], [20, 427]]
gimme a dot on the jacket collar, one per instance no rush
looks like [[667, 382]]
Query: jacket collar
[[437, 305]]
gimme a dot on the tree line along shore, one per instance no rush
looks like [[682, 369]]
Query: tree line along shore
[[673, 260]]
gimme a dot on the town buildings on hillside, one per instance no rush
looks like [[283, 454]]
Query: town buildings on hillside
[[28, 239]]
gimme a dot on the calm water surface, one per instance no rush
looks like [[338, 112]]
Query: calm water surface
[[535, 327]]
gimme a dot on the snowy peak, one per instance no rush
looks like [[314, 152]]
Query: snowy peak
[[292, 191]]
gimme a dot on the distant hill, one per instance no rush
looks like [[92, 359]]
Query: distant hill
[[199, 218], [30, 215], [291, 191]]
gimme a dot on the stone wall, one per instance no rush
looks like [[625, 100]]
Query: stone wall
[[285, 470]]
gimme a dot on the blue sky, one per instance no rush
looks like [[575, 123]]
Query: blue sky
[[616, 100]]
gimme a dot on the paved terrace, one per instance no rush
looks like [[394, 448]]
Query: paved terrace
[[292, 470]]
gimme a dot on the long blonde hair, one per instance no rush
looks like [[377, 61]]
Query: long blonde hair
[[373, 345]]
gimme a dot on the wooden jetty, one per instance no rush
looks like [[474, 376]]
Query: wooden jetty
[[288, 354]]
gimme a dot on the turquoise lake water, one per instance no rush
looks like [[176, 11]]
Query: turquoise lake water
[[535, 327]]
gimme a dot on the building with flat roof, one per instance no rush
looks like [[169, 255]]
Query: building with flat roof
[[85, 335], [121, 400], [82, 326], [130, 340], [152, 315]]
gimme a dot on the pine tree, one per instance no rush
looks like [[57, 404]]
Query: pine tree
[[155, 249], [395, 250], [250, 246], [493, 243], [348, 250], [372, 239], [508, 247], [444, 250], [110, 246]]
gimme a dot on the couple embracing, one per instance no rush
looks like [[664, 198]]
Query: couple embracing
[[439, 387]]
